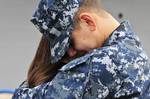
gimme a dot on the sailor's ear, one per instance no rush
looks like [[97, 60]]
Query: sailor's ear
[[88, 19]]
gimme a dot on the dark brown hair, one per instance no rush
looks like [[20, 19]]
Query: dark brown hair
[[41, 70]]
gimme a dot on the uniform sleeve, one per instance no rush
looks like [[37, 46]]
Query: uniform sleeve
[[66, 85]]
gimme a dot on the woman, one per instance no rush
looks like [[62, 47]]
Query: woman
[[85, 53]]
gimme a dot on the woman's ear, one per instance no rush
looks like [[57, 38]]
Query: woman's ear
[[88, 19]]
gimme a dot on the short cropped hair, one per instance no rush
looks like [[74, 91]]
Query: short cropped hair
[[88, 5]]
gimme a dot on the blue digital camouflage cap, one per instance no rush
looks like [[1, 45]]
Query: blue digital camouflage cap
[[54, 19]]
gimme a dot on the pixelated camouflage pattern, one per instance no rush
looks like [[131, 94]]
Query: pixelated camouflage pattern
[[55, 20], [118, 70]]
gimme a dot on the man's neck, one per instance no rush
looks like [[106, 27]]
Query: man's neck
[[108, 25]]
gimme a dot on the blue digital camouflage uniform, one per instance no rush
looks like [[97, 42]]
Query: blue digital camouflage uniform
[[119, 69]]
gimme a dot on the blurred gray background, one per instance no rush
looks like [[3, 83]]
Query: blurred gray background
[[19, 39]]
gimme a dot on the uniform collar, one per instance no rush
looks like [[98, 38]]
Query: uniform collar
[[119, 34]]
